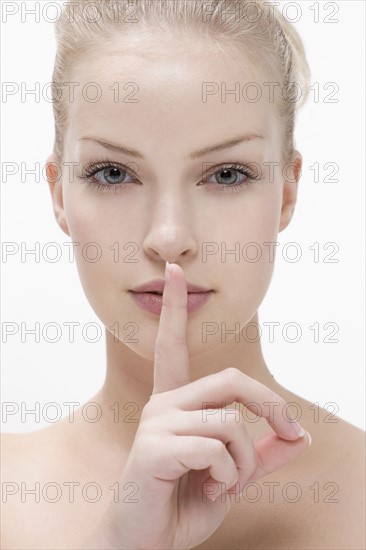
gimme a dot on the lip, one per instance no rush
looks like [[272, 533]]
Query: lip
[[157, 285], [154, 302]]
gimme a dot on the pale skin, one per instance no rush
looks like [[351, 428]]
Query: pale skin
[[169, 216]]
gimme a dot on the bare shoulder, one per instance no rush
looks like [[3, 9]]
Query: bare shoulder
[[332, 470], [335, 464], [54, 487], [27, 462], [324, 486], [13, 449], [16, 448], [10, 440]]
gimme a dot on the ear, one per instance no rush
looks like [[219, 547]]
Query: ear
[[292, 172], [54, 178]]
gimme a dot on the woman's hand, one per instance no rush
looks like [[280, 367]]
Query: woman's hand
[[179, 444]]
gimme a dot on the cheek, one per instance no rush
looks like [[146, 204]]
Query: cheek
[[89, 233], [249, 224], [247, 256], [107, 249], [96, 217], [263, 215]]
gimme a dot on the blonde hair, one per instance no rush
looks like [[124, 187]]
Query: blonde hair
[[269, 41]]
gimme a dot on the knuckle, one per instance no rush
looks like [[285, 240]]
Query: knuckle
[[234, 418], [233, 374], [275, 399], [216, 446]]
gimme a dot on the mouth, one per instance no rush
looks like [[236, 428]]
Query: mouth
[[157, 286], [152, 301], [160, 293]]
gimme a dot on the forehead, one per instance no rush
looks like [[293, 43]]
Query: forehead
[[177, 89]]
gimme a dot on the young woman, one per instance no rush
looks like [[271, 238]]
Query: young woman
[[178, 122]]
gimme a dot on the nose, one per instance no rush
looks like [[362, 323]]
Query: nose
[[171, 224]]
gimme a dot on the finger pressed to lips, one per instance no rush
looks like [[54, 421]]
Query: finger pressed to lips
[[171, 362]]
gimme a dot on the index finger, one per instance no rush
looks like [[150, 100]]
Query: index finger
[[171, 362]]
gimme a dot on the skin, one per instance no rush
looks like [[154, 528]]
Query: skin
[[169, 216]]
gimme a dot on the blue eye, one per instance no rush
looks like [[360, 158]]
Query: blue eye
[[229, 171], [113, 173]]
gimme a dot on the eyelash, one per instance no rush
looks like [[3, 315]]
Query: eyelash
[[93, 168]]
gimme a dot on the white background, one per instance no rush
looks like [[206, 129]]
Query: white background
[[306, 292]]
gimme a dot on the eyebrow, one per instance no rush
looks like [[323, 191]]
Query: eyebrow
[[211, 149]]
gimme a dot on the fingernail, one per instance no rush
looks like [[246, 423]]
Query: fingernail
[[310, 440], [167, 273], [299, 431]]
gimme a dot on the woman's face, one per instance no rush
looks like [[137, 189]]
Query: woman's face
[[167, 101]]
